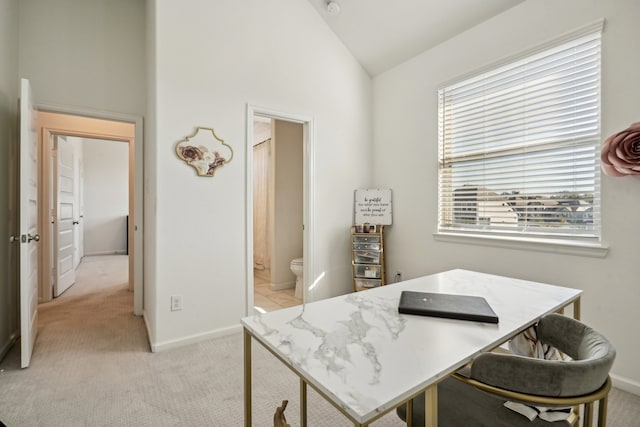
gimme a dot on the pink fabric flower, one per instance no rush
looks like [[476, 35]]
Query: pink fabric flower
[[621, 153]]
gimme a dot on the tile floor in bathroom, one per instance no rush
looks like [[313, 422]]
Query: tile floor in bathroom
[[266, 299]]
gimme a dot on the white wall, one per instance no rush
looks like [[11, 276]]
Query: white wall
[[212, 58], [88, 53], [405, 159], [9, 84], [106, 196]]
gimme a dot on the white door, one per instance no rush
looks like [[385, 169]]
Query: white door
[[77, 210], [64, 223], [28, 224]]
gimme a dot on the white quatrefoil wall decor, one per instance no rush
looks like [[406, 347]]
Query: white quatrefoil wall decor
[[205, 151]]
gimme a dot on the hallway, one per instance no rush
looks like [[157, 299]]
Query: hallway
[[94, 315]]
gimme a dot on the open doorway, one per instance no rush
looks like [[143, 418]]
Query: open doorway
[[123, 133], [277, 213], [279, 209], [89, 204]]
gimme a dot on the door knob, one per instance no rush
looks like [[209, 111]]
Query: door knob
[[76, 222], [28, 237]]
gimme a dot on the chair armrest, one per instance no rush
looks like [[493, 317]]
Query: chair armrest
[[537, 376], [536, 399]]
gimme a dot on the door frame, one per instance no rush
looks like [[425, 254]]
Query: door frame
[[308, 232], [111, 126]]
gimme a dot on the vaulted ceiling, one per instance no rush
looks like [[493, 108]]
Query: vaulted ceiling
[[384, 33]]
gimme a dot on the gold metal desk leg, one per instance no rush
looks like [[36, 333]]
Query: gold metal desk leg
[[410, 413], [303, 403], [247, 379], [431, 406]]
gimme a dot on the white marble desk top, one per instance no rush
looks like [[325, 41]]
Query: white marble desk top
[[366, 357]]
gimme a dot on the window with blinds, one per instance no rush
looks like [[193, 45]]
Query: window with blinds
[[519, 146]]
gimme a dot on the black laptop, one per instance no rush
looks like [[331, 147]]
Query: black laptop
[[463, 307]]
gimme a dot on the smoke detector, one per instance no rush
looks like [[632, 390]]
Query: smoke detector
[[333, 8]]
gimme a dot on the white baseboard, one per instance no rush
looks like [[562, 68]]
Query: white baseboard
[[192, 339], [283, 285], [625, 384], [102, 253]]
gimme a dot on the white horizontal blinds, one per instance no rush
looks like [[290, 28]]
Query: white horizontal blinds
[[519, 145]]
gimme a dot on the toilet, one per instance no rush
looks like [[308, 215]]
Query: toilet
[[297, 267]]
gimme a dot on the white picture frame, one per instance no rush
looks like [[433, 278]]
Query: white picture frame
[[373, 206]]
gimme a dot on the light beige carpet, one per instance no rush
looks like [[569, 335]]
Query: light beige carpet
[[92, 367]]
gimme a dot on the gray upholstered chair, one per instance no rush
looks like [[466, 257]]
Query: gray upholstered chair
[[476, 399]]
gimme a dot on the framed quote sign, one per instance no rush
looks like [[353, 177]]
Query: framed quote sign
[[372, 206]]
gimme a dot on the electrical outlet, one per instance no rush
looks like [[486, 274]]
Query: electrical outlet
[[176, 302], [398, 277]]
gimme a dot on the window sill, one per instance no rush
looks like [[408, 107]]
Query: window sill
[[557, 246]]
